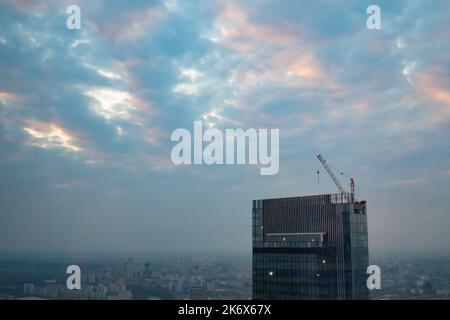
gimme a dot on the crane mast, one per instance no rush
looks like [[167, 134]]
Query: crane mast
[[352, 189], [336, 181]]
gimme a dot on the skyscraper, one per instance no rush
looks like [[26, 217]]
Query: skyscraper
[[312, 247]]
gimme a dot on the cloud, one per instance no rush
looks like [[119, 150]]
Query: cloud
[[189, 89], [30, 6], [234, 29], [107, 97], [129, 26], [407, 182], [50, 136], [111, 104], [9, 97]]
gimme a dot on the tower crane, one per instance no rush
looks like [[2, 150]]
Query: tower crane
[[348, 197]]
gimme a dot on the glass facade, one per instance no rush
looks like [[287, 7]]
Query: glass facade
[[312, 247]]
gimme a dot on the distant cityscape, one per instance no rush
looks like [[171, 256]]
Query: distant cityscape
[[193, 278], [167, 278], [414, 278]]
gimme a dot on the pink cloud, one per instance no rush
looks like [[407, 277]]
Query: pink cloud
[[9, 97], [29, 6], [238, 33], [272, 53], [432, 89], [50, 136], [155, 136], [130, 25], [429, 87]]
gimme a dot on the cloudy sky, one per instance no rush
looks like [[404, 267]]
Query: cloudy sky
[[86, 117]]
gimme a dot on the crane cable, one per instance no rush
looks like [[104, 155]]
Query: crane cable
[[336, 169]]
